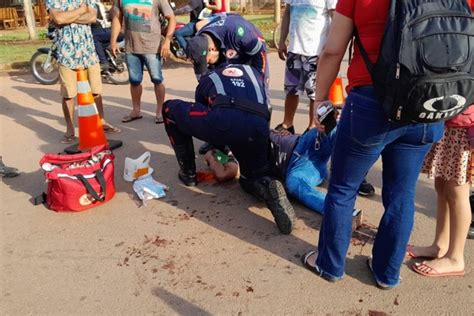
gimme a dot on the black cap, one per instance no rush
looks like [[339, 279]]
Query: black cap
[[197, 50]]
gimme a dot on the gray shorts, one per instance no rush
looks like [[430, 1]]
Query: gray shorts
[[300, 74]]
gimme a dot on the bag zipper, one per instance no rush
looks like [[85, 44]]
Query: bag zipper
[[438, 13], [399, 113]]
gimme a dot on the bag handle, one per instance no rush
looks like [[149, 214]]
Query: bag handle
[[100, 177]]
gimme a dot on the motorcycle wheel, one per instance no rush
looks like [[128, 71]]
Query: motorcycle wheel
[[118, 71], [47, 76]]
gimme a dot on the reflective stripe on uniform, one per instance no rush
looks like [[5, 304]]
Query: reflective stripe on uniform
[[83, 87], [256, 49], [87, 110], [217, 83], [258, 92]]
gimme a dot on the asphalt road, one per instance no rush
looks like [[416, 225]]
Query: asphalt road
[[205, 250]]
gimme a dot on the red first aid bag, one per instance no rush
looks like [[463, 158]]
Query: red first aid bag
[[80, 181]]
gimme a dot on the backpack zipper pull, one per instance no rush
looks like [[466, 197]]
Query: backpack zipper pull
[[399, 113], [397, 72]]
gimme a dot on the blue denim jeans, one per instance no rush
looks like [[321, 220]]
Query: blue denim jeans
[[308, 168], [185, 31], [364, 134], [135, 63]]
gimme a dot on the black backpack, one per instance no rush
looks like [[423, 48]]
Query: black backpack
[[424, 71]]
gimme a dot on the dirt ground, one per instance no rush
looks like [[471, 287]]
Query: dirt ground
[[200, 251]]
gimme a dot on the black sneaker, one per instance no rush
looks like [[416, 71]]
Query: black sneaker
[[280, 128], [189, 179], [281, 208], [366, 189]]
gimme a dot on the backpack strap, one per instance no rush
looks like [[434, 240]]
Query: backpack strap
[[393, 12], [363, 52]]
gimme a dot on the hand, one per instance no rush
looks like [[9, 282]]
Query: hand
[[282, 51], [114, 48], [83, 8], [319, 126], [165, 49]]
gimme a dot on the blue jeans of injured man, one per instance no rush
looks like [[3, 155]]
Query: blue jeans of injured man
[[308, 168], [364, 134]]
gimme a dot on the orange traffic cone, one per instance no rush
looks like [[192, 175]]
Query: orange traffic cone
[[336, 93], [91, 131]]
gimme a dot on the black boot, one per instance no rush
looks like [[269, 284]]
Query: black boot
[[273, 193], [187, 164]]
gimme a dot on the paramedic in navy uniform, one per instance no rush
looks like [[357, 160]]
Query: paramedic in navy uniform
[[230, 39], [230, 109]]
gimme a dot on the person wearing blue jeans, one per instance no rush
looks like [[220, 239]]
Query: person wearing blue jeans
[[142, 28], [194, 8], [364, 134], [302, 163]]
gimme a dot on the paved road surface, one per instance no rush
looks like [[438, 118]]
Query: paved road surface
[[205, 250]]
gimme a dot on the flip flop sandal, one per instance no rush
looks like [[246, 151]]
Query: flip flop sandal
[[315, 269], [428, 271], [129, 118], [379, 284], [159, 120], [68, 139], [111, 129]]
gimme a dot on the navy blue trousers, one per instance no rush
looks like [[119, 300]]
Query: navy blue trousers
[[246, 134]]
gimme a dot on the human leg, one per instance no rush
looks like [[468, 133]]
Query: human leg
[[176, 114], [68, 92], [307, 169], [95, 81], [362, 133], [135, 72], [300, 183], [153, 64], [293, 75], [459, 219], [398, 194], [307, 84], [101, 39], [68, 111], [441, 241], [187, 30]]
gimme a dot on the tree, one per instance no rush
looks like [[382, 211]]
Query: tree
[[30, 19]]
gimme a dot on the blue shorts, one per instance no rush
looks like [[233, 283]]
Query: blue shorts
[[135, 64]]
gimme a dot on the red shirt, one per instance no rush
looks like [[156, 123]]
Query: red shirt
[[223, 6], [369, 17]]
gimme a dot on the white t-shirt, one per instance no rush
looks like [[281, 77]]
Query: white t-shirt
[[308, 20]]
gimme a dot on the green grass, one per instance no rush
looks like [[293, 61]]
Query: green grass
[[17, 55], [15, 47]]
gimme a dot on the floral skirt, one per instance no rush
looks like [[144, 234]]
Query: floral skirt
[[451, 158]]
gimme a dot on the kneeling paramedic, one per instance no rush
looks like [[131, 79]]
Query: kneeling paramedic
[[230, 109]]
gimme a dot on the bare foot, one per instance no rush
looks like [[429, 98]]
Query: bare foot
[[441, 266], [431, 252]]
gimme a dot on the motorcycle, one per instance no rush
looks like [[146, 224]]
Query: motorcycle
[[44, 65]]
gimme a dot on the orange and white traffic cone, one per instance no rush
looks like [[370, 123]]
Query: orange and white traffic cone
[[91, 131], [336, 93]]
